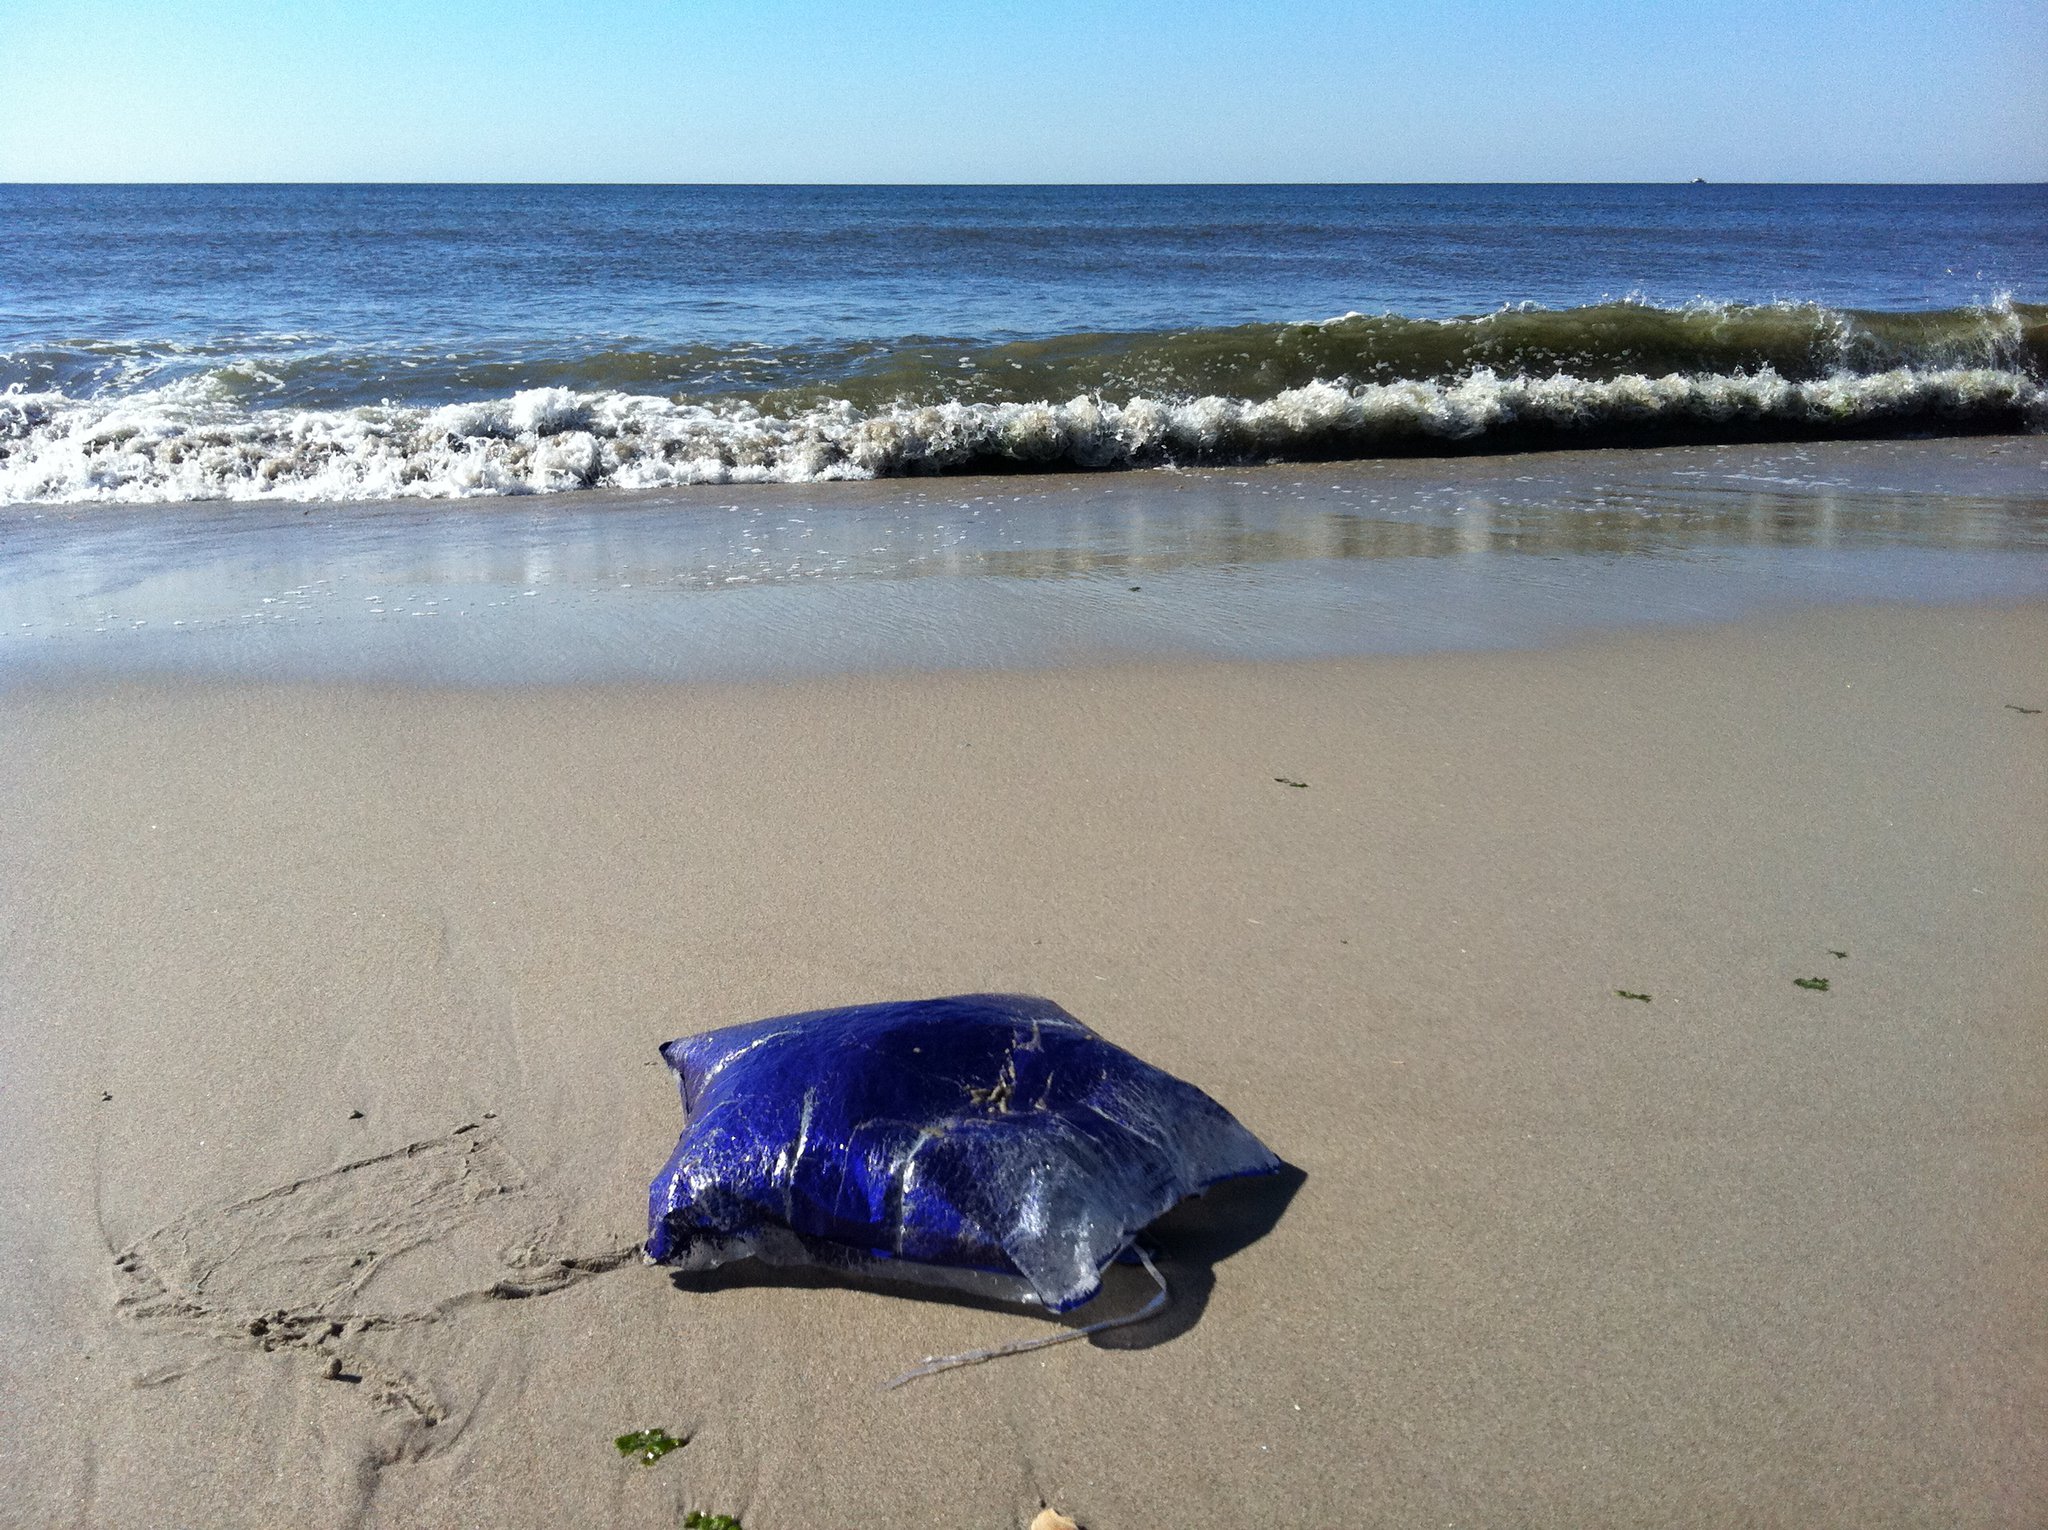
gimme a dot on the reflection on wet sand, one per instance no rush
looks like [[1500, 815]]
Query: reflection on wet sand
[[1258, 563]]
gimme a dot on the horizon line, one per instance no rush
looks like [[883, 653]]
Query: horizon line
[[998, 185]]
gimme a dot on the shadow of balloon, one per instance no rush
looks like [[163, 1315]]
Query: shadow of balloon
[[1186, 1244]]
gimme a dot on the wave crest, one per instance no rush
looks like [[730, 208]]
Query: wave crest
[[181, 442]]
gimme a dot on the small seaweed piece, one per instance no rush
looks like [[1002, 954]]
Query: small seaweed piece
[[1284, 781], [697, 1519], [1818, 985], [1623, 993], [648, 1446], [1840, 956], [2028, 711]]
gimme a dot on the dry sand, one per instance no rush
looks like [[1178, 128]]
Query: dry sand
[[1745, 1254]]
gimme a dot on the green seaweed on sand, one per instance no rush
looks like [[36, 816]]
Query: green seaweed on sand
[[1818, 985], [697, 1519], [1623, 993], [648, 1446], [1840, 956], [1284, 781]]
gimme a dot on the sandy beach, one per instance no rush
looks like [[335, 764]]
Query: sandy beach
[[329, 1028], [630, 651]]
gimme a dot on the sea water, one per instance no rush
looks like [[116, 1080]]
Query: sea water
[[349, 343], [477, 434]]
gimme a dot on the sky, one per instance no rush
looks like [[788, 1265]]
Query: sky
[[1023, 90]]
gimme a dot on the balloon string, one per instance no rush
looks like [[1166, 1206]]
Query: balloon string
[[936, 1363]]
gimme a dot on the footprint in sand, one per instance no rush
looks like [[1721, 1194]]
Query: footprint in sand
[[341, 1262]]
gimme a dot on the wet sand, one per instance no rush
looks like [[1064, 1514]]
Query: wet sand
[[1295, 561], [1745, 1253]]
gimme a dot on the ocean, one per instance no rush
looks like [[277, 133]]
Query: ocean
[[349, 343]]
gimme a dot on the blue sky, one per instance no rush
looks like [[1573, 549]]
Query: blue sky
[[791, 90]]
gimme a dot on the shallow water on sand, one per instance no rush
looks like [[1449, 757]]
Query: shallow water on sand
[[1264, 563]]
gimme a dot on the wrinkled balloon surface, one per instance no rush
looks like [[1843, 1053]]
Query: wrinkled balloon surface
[[989, 1141]]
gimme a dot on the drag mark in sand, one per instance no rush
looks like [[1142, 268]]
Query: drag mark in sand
[[336, 1264]]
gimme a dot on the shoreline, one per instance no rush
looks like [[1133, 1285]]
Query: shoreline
[[1279, 562], [1745, 1253]]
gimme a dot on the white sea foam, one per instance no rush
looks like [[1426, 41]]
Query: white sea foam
[[186, 441]]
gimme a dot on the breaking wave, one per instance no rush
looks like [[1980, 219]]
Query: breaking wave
[[108, 423]]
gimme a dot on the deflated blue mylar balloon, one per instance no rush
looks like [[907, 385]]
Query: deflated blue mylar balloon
[[991, 1142]]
